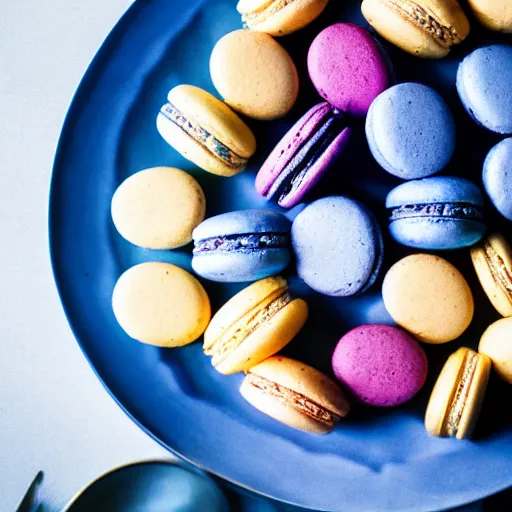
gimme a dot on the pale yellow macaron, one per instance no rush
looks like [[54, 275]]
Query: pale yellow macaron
[[492, 259], [493, 14], [158, 208], [429, 297], [425, 28], [205, 131], [458, 394], [161, 304], [253, 325], [254, 74], [295, 394], [279, 17], [496, 342]]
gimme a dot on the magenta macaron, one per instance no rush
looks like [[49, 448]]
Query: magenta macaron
[[380, 365], [303, 155], [347, 68]]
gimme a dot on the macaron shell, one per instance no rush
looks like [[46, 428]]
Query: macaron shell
[[158, 208], [495, 15], [268, 339], [496, 342], [496, 177], [429, 297], [347, 68], [254, 74], [294, 16], [161, 304]]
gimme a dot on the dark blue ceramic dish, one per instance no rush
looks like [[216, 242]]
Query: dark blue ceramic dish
[[375, 460]]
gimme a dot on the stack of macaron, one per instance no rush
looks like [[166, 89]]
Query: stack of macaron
[[335, 243]]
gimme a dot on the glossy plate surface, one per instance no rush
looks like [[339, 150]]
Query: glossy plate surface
[[377, 459]]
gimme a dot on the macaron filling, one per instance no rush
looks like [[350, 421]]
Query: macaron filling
[[294, 399], [203, 137], [245, 242], [266, 12], [444, 35], [456, 408], [296, 170], [501, 274], [263, 312], [464, 211]]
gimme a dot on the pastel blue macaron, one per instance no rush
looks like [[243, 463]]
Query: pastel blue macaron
[[497, 177], [443, 212], [410, 131], [338, 246], [484, 84], [242, 246]]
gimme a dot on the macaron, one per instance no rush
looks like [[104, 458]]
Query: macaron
[[496, 176], [253, 325], [425, 28], [443, 212], [494, 15], [496, 342], [338, 246], [161, 304], [254, 74], [279, 17], [242, 246], [492, 259], [206, 131], [411, 131], [457, 397], [295, 394], [380, 365], [429, 297], [158, 208], [303, 155], [347, 68], [484, 84]]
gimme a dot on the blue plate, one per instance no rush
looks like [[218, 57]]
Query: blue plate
[[375, 460]]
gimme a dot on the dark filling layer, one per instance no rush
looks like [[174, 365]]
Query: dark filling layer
[[204, 137], [296, 400], [443, 210], [499, 270], [264, 14], [248, 242], [297, 168]]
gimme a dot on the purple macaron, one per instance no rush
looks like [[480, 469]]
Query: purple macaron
[[347, 68], [380, 365], [303, 155]]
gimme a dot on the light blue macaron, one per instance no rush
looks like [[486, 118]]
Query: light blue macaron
[[497, 177], [242, 246], [443, 212], [484, 84], [411, 131]]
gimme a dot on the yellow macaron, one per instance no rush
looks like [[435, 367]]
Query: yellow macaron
[[253, 325], [295, 394], [458, 394], [158, 208], [492, 259], [254, 74], [206, 131], [429, 297], [493, 14], [425, 28], [161, 304], [279, 17], [496, 342]]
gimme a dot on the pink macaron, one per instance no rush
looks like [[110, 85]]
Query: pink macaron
[[380, 365], [347, 68]]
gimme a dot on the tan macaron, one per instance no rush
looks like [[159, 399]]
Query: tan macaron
[[496, 342], [295, 394], [158, 208], [254, 74], [425, 28], [493, 14]]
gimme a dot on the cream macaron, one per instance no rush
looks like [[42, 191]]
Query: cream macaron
[[158, 208], [254, 74], [496, 342], [295, 394], [493, 14], [161, 304]]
